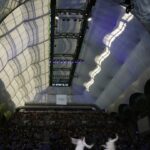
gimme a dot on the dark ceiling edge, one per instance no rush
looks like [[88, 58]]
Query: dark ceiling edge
[[144, 24]]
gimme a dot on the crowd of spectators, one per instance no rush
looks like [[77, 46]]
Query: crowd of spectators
[[52, 130]]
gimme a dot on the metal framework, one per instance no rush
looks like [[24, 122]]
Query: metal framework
[[77, 11], [67, 35], [53, 12], [66, 78]]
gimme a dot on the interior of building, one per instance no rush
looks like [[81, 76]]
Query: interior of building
[[74, 71]]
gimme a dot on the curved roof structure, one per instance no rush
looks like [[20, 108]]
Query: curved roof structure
[[93, 52]]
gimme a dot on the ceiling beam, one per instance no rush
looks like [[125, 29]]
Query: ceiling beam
[[67, 35], [76, 11], [53, 13], [63, 55], [79, 36], [61, 69]]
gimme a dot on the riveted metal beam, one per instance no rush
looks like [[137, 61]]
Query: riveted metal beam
[[53, 13]]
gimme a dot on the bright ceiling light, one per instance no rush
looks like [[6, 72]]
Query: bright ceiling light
[[89, 19], [56, 17]]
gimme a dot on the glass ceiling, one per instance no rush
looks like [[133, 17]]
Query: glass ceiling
[[7, 6], [24, 45]]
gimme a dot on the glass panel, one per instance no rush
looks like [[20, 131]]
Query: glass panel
[[68, 22], [61, 73], [65, 46]]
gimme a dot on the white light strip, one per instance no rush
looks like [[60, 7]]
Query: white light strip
[[108, 40]]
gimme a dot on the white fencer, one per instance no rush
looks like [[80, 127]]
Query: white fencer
[[110, 144], [80, 144]]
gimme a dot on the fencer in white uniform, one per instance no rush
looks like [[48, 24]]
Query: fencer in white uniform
[[110, 144], [80, 143]]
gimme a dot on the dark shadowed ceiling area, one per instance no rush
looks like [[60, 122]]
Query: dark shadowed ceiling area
[[92, 52]]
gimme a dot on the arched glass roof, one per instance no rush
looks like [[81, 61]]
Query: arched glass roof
[[24, 44], [39, 46]]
